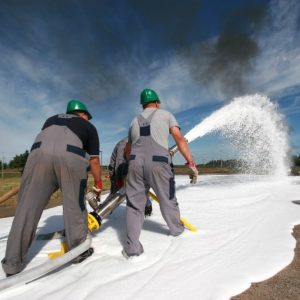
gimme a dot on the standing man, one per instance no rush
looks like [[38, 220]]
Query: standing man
[[150, 165], [118, 169], [63, 152]]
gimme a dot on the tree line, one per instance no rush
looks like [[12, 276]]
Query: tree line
[[296, 160], [18, 162]]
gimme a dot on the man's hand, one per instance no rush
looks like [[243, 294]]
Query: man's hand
[[97, 188], [194, 174]]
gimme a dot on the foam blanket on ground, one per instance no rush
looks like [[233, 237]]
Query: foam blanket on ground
[[244, 235]]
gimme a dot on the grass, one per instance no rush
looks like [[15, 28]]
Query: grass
[[295, 170], [182, 170], [11, 179]]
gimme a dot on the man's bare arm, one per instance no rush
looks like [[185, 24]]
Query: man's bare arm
[[181, 143]]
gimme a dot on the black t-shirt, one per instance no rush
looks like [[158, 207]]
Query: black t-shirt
[[86, 131]]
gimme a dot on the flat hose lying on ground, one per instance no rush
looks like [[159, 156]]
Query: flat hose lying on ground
[[9, 194], [43, 269]]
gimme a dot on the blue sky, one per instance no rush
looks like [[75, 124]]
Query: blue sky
[[197, 55]]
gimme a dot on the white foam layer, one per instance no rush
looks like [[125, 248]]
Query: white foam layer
[[244, 223]]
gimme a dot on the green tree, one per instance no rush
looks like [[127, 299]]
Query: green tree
[[297, 160], [19, 161]]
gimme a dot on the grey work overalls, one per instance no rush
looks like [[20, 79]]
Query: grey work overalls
[[149, 165], [118, 165], [56, 161]]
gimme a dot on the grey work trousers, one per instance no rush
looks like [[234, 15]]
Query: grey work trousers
[[43, 174], [159, 176]]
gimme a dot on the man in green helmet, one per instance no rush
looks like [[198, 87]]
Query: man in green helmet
[[150, 165], [63, 152]]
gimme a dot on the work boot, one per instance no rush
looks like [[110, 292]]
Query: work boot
[[130, 256], [83, 256], [148, 209]]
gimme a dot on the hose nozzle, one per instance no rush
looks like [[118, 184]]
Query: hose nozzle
[[92, 199], [173, 150]]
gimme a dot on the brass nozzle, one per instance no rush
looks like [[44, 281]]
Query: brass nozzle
[[173, 150]]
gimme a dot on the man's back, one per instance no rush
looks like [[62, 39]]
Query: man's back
[[69, 129], [160, 125]]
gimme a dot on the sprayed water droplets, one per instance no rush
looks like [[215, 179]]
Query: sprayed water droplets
[[255, 128]]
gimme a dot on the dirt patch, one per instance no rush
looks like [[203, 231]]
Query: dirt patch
[[285, 285]]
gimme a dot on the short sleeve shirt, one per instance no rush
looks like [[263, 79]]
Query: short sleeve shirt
[[160, 125], [85, 131]]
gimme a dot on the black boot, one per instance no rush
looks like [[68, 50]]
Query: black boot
[[148, 210]]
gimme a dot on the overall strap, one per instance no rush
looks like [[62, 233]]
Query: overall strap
[[142, 120], [144, 124]]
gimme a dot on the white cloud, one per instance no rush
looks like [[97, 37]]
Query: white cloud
[[278, 66], [293, 108], [33, 87], [276, 69], [177, 86]]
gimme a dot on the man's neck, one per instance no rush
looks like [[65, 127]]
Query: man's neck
[[152, 105]]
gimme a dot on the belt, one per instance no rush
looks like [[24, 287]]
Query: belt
[[154, 158], [35, 146], [70, 148], [76, 150], [160, 158]]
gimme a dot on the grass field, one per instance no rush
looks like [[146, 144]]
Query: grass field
[[11, 180]]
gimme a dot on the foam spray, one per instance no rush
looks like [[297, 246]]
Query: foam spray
[[255, 128]]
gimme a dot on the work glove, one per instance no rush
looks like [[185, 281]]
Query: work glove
[[194, 172], [97, 188]]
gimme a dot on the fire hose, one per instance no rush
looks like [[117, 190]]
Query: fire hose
[[40, 270]]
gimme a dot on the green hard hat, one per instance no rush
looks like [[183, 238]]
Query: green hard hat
[[76, 105], [148, 96]]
